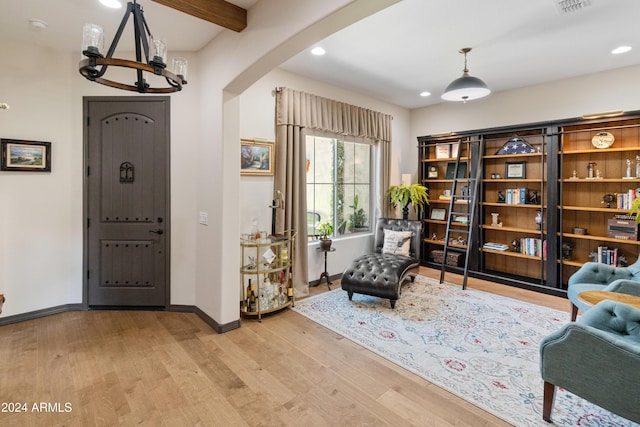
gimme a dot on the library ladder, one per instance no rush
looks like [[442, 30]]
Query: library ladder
[[461, 217]]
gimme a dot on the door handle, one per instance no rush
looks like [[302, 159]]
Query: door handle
[[158, 231]]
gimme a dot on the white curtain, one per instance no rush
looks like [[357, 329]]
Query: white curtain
[[299, 111]]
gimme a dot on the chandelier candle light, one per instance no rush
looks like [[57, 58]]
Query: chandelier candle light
[[96, 64]]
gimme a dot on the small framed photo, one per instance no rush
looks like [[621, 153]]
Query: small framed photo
[[443, 151], [25, 156], [451, 167], [454, 149], [438, 213], [432, 172], [515, 170], [256, 157]]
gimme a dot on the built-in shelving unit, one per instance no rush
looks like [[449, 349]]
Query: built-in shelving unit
[[593, 183], [574, 215], [514, 193], [437, 161]]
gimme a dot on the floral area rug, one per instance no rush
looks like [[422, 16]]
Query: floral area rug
[[481, 347]]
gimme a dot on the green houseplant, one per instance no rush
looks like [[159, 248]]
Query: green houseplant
[[358, 219], [326, 231], [403, 195], [635, 209]]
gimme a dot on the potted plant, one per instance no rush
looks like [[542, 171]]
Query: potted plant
[[403, 195], [635, 209], [326, 230], [358, 219]]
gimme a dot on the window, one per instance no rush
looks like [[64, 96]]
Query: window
[[339, 185]]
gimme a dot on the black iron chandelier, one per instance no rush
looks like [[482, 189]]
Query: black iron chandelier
[[96, 64]]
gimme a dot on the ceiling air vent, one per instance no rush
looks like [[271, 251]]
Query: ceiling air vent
[[568, 6]]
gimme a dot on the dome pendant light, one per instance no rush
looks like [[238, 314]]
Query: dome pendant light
[[466, 87]]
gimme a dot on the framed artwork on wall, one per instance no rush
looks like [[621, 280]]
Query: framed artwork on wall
[[25, 156], [256, 157]]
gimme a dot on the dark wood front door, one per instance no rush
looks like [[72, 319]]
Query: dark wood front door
[[126, 154]]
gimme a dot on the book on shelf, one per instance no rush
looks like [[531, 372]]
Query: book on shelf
[[607, 255], [625, 200], [495, 246], [516, 196], [533, 247]]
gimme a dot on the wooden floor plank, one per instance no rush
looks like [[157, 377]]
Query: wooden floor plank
[[170, 369]]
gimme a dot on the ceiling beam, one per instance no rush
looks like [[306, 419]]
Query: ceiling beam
[[219, 12]]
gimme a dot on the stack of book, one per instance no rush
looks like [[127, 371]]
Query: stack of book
[[495, 246]]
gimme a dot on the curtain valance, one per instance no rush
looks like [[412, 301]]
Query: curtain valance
[[315, 112]]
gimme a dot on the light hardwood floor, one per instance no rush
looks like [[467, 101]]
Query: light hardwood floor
[[170, 369]]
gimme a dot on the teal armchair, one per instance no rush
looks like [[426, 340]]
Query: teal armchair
[[593, 276], [596, 358]]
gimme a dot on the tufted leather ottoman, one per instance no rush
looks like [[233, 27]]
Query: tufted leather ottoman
[[379, 274]]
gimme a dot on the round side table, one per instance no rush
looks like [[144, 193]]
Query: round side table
[[325, 274]]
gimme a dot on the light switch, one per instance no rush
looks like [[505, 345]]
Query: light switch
[[204, 218]]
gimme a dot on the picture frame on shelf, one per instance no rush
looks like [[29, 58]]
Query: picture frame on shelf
[[515, 170], [432, 172], [451, 167], [443, 151], [256, 157], [454, 149], [461, 219], [438, 214], [25, 156]]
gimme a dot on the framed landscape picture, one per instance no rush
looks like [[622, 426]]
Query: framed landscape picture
[[25, 156], [256, 157]]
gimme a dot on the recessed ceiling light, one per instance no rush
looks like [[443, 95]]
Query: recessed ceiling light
[[425, 93], [114, 4], [621, 49], [37, 24], [318, 51]]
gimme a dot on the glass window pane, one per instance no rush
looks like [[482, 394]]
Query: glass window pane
[[338, 186], [362, 163], [348, 171], [310, 153], [323, 161]]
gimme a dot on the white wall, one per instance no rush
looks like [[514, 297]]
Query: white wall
[[231, 63], [41, 222], [39, 219], [257, 118], [606, 91], [41, 214]]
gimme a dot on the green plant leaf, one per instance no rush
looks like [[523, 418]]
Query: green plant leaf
[[415, 194]]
